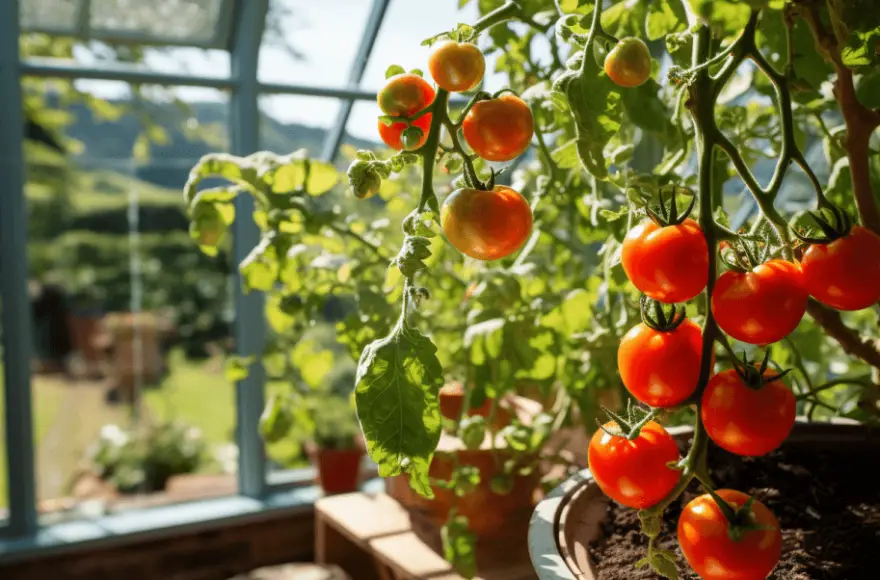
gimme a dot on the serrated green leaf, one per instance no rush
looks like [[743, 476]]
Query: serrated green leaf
[[397, 387], [861, 48], [237, 368], [868, 89], [460, 546], [577, 311], [566, 156], [237, 170], [664, 17], [612, 216]]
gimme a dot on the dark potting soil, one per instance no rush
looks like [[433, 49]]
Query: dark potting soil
[[827, 504]]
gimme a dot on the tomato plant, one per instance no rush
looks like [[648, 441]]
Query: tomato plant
[[499, 129], [633, 471], [628, 64], [486, 224], [567, 236], [742, 544], [748, 411], [456, 66]]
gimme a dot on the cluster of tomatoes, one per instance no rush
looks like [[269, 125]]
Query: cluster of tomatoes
[[746, 410], [486, 222]]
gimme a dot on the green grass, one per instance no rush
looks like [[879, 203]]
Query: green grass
[[68, 417], [196, 394]]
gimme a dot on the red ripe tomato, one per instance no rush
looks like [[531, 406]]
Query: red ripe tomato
[[667, 263], [456, 66], [629, 63], [709, 548], [499, 129], [405, 95], [661, 369], [746, 420], [486, 225], [634, 473], [761, 306], [844, 274]]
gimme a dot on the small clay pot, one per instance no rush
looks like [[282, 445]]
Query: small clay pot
[[339, 470]]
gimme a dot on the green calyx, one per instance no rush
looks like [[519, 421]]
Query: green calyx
[[655, 315], [740, 521], [833, 223], [666, 212], [744, 255], [629, 426], [755, 377]]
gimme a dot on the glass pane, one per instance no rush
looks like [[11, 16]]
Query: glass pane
[[361, 132], [191, 21], [291, 122], [297, 47], [131, 320], [54, 15]]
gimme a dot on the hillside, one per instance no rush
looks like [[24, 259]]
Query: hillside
[[107, 145]]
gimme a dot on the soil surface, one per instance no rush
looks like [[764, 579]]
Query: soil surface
[[827, 504]]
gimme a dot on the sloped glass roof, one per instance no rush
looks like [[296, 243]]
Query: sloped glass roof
[[203, 23]]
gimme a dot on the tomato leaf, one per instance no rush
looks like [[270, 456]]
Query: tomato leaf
[[397, 386], [664, 17], [860, 49], [868, 89], [460, 545], [596, 108]]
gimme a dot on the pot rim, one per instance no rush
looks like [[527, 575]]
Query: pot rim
[[550, 555]]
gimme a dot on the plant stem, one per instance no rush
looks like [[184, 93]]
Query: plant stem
[[860, 121], [365, 242], [850, 340], [428, 151]]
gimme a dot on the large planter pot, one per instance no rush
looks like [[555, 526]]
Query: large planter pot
[[499, 521], [569, 521]]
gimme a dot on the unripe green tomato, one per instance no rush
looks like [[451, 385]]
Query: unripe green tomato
[[629, 63], [411, 138]]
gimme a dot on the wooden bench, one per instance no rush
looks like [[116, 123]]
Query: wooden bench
[[370, 537]]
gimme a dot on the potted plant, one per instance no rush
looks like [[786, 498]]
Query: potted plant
[[336, 449], [525, 272]]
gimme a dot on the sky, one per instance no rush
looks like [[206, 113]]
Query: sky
[[327, 33]]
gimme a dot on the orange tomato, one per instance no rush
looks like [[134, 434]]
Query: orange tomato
[[713, 554], [634, 473], [844, 274], [666, 263], [405, 95], [456, 66], [629, 63], [499, 129], [760, 306], [486, 225]]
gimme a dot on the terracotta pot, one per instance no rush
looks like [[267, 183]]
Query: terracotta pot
[[339, 470], [570, 518], [451, 401]]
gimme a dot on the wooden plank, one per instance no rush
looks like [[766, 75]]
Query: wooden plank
[[413, 560], [362, 516]]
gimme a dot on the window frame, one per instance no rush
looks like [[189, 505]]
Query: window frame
[[22, 532]]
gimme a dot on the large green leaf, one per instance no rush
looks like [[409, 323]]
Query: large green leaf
[[398, 382], [664, 16]]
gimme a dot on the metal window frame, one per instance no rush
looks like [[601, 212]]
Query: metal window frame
[[242, 38], [220, 39]]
